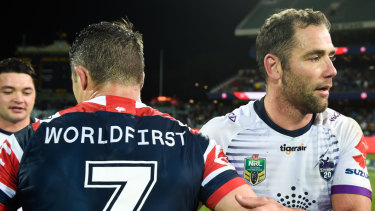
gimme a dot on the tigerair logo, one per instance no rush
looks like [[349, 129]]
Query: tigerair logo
[[290, 149]]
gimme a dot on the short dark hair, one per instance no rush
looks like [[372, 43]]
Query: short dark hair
[[111, 51], [17, 65], [276, 36]]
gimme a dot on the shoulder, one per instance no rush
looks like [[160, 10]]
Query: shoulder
[[222, 128], [336, 120], [345, 128], [233, 119]]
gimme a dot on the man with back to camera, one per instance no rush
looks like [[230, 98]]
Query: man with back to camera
[[111, 151], [288, 145]]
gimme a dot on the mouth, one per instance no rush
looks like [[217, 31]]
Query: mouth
[[17, 109], [324, 90]]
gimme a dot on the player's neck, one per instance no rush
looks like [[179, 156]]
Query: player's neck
[[14, 127], [132, 92], [284, 114]]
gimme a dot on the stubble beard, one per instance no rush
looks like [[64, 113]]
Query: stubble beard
[[301, 95]]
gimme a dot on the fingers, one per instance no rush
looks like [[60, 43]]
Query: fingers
[[249, 202]]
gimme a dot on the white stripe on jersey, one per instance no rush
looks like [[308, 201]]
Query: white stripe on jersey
[[50, 118], [15, 146], [215, 173], [101, 100], [210, 146], [140, 105], [8, 191]]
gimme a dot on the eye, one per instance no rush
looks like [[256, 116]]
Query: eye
[[314, 59], [333, 58], [27, 92], [7, 92]]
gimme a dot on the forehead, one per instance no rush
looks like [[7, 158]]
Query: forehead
[[21, 80], [313, 38]]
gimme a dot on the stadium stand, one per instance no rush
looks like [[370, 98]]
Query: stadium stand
[[343, 14]]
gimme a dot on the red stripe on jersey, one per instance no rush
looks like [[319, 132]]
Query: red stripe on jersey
[[36, 125], [115, 104], [223, 191], [362, 147], [195, 130], [9, 169], [216, 159], [3, 208], [83, 107], [148, 111]]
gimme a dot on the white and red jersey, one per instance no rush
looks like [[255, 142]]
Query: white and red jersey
[[300, 168], [5, 134], [113, 153]]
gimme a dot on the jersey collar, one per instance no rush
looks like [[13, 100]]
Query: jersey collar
[[261, 111]]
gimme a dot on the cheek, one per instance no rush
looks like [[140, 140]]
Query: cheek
[[30, 100], [5, 99]]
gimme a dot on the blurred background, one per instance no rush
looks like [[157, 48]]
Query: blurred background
[[200, 55]]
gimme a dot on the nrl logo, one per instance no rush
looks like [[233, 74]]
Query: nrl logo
[[255, 169]]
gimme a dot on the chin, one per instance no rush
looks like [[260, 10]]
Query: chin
[[19, 118]]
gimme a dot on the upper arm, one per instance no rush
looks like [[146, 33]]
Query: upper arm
[[351, 189], [10, 155], [352, 202], [219, 177]]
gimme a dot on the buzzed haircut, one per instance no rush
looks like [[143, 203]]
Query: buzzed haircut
[[111, 51]]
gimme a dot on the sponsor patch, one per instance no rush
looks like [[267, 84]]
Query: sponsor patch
[[255, 169], [290, 149], [357, 172]]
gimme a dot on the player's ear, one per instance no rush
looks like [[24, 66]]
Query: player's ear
[[143, 80], [83, 76], [272, 65]]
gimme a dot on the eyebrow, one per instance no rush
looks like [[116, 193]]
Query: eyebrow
[[27, 88], [12, 87], [318, 52], [7, 87]]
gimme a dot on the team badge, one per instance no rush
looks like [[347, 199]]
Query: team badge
[[232, 117], [326, 168], [255, 169]]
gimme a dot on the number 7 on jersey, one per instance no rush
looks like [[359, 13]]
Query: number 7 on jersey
[[132, 181]]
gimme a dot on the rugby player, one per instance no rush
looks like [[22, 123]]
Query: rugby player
[[288, 145]]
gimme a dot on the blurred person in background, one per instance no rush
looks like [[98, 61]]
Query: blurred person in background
[[289, 145]]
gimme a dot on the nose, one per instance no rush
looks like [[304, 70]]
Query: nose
[[18, 97], [330, 70]]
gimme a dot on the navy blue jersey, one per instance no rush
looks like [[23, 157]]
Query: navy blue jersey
[[113, 153]]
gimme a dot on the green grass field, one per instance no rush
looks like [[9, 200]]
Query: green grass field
[[371, 174], [372, 180], [204, 208]]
